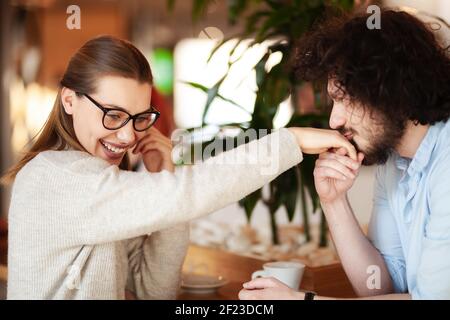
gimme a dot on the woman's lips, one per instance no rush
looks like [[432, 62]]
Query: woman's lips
[[110, 154], [120, 146]]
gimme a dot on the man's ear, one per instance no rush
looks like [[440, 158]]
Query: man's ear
[[68, 98]]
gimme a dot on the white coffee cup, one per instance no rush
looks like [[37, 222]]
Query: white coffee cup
[[288, 272]]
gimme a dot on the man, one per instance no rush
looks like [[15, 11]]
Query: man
[[391, 93]]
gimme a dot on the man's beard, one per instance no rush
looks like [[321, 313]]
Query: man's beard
[[382, 142]]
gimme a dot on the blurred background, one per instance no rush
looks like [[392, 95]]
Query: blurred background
[[39, 36]]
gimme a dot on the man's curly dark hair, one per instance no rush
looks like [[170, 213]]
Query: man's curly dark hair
[[400, 69]]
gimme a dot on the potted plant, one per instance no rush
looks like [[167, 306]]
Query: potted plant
[[285, 21]]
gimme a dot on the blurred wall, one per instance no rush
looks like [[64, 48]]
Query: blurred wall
[[57, 43], [440, 8], [5, 157]]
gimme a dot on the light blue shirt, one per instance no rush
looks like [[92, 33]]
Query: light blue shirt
[[410, 223]]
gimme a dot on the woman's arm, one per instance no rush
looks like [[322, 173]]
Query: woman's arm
[[155, 263], [120, 204]]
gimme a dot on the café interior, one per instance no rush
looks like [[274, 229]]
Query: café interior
[[180, 41]]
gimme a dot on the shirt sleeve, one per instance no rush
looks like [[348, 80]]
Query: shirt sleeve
[[383, 233], [433, 275], [123, 204], [155, 262]]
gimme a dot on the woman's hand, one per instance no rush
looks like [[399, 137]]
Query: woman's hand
[[315, 141], [268, 289], [334, 174], [156, 150]]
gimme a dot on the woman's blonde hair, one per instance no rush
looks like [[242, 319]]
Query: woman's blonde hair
[[101, 56]]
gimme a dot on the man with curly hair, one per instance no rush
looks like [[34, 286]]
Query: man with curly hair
[[391, 97]]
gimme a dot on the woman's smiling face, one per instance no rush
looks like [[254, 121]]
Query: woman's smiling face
[[112, 92]]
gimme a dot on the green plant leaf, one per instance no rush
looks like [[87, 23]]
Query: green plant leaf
[[343, 4], [212, 93], [199, 8], [260, 69], [291, 197], [274, 4], [307, 170], [284, 21], [170, 4], [235, 9], [308, 163], [222, 42], [249, 203], [253, 20], [274, 21]]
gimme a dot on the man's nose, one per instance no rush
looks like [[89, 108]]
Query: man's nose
[[126, 134], [338, 117]]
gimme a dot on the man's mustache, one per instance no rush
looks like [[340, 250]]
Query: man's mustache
[[347, 132]]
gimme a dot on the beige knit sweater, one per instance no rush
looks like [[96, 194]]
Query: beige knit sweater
[[78, 226]]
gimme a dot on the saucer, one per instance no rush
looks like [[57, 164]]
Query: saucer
[[197, 283]]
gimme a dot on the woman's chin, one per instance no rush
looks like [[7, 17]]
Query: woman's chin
[[114, 162]]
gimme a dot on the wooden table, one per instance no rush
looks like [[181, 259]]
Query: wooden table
[[3, 278], [330, 280], [3, 273]]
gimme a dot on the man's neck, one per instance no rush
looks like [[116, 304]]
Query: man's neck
[[412, 139]]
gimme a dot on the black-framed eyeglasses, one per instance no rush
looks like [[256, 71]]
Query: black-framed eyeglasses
[[114, 118]]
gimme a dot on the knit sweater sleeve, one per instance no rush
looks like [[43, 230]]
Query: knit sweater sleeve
[[118, 205], [155, 263]]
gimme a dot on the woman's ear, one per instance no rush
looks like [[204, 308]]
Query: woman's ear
[[67, 99]]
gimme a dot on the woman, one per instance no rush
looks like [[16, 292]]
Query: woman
[[83, 227]]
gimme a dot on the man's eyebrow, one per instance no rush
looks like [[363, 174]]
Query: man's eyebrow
[[335, 96], [332, 95]]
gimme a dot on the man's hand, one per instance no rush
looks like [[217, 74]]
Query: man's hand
[[268, 289], [335, 174]]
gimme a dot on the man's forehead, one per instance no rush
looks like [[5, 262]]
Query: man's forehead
[[334, 91]]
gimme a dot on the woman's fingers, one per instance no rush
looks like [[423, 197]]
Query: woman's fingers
[[327, 172], [341, 142], [156, 145], [345, 160], [151, 138], [336, 165], [158, 137], [313, 141]]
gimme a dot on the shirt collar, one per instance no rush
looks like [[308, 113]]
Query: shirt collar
[[423, 153]]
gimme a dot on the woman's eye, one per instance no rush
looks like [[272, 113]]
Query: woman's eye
[[114, 116], [142, 119]]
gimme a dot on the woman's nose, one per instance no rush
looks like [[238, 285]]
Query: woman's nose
[[126, 134], [337, 117]]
